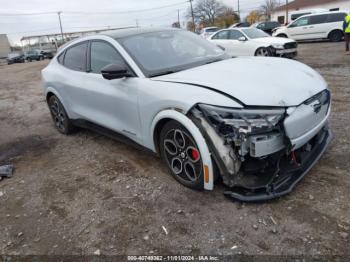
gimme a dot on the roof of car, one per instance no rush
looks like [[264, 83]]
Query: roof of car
[[121, 33]]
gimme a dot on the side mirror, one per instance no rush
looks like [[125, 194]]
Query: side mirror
[[115, 71], [242, 38]]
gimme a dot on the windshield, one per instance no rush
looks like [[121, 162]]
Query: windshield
[[165, 52], [253, 33]]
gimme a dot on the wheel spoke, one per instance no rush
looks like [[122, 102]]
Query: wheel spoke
[[179, 139], [190, 171], [176, 165], [170, 147]]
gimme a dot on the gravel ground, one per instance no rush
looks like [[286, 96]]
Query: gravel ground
[[86, 193]]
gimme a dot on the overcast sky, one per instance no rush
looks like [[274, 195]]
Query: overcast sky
[[17, 26]]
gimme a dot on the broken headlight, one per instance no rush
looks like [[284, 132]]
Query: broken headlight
[[245, 121]]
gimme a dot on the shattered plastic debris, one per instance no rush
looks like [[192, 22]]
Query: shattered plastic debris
[[6, 171]]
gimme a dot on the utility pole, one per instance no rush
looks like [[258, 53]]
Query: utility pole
[[194, 26], [238, 11], [178, 17], [59, 19], [287, 15], [137, 23]]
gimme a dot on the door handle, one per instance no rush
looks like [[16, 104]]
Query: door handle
[[311, 27]]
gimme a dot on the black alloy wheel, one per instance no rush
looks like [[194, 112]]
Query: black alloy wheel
[[181, 154]]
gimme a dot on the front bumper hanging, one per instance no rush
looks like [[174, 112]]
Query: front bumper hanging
[[283, 180]]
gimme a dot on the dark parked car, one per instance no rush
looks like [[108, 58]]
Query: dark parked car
[[34, 55], [47, 54], [15, 58], [267, 27]]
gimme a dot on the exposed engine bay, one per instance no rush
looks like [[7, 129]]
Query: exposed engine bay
[[253, 148]]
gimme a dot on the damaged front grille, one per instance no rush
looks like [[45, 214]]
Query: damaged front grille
[[239, 137]]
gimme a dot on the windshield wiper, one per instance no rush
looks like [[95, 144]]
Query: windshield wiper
[[162, 73]]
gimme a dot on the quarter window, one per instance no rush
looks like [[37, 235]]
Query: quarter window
[[338, 17], [75, 57], [103, 54]]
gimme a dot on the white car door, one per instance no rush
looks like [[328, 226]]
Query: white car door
[[299, 29], [241, 44], [232, 41], [221, 39], [318, 26], [110, 103]]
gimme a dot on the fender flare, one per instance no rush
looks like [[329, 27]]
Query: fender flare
[[198, 137], [53, 90]]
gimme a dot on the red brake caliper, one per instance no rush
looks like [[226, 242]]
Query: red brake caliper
[[195, 154]]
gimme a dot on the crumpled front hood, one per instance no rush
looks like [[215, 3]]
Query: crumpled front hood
[[274, 40], [255, 81]]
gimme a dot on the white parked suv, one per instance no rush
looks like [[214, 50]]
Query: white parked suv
[[208, 31], [258, 123], [327, 25], [250, 41]]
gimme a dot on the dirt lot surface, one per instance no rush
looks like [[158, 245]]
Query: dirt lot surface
[[86, 193]]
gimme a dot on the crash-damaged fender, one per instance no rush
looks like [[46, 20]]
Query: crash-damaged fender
[[198, 137]]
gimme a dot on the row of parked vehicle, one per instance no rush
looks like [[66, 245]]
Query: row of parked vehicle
[[241, 39], [19, 57]]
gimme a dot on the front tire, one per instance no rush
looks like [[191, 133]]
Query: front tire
[[59, 116], [262, 51], [180, 152], [282, 35]]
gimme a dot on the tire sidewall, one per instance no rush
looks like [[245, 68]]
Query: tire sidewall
[[67, 122]]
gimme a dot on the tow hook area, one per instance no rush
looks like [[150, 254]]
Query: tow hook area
[[291, 168]]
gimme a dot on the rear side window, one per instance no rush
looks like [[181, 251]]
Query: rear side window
[[338, 17], [103, 54], [75, 57], [318, 19]]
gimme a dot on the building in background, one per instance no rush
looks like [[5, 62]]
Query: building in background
[[53, 41], [5, 48], [297, 6]]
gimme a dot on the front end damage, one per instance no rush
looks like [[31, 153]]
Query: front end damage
[[263, 153]]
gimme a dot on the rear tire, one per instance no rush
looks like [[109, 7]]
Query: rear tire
[[59, 116], [335, 36], [180, 153]]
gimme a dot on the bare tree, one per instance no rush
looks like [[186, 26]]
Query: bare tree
[[268, 7], [206, 11]]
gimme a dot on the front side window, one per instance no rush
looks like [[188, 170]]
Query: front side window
[[235, 34], [300, 22], [75, 57], [103, 54]]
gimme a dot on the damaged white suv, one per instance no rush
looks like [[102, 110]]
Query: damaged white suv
[[259, 123]]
